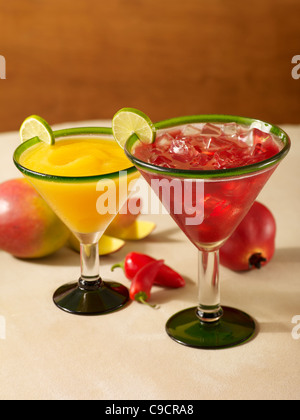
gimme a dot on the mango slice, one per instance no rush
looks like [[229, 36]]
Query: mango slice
[[138, 230], [107, 244]]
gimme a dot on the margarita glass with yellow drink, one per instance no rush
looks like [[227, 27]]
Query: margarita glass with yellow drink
[[85, 177]]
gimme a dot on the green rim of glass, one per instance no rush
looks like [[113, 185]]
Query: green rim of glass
[[69, 132], [218, 173]]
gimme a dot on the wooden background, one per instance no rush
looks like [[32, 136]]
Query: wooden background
[[69, 60]]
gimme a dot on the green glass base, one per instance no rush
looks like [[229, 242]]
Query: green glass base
[[234, 328], [107, 297]]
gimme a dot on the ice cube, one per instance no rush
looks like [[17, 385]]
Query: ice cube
[[255, 136], [260, 137], [202, 143], [163, 142], [182, 150], [260, 126], [231, 129], [211, 130], [218, 143], [191, 130], [162, 161], [179, 146], [201, 161], [246, 137]]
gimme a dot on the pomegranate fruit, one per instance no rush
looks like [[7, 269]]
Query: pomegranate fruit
[[252, 244]]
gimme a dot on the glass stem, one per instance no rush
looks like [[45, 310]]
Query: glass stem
[[89, 257], [209, 308]]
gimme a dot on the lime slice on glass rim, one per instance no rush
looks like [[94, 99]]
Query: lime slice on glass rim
[[35, 126], [128, 121]]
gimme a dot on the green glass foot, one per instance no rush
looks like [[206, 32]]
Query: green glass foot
[[234, 328], [107, 297]]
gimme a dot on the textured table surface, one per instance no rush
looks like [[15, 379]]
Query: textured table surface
[[48, 354]]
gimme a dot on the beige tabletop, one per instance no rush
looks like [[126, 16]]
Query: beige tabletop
[[46, 353]]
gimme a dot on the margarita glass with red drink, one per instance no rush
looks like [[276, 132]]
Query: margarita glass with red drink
[[207, 171]]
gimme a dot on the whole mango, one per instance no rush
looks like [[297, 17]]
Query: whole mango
[[28, 226]]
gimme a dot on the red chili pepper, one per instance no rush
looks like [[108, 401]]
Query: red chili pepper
[[142, 283], [134, 261]]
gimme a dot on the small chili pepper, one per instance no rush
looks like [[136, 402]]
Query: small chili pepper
[[140, 289], [134, 261]]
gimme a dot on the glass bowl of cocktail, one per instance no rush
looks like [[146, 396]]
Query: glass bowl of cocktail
[[207, 170], [85, 177]]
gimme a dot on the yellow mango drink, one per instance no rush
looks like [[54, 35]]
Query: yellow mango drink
[[85, 177], [86, 161]]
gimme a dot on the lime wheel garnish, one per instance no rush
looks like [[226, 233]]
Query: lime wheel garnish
[[128, 121], [35, 126]]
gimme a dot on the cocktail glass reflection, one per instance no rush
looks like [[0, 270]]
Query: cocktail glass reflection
[[85, 178], [185, 167]]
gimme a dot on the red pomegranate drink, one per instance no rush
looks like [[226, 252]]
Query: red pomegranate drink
[[207, 205], [207, 170]]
